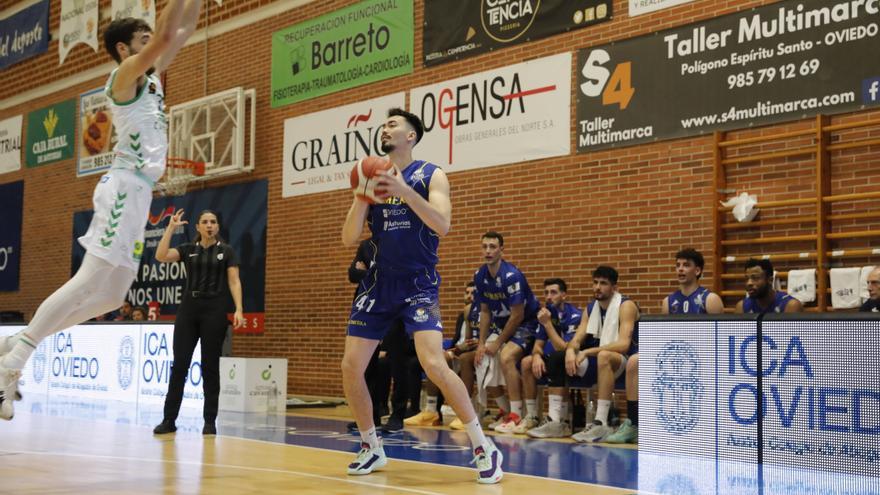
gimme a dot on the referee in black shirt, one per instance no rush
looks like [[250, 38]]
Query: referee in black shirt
[[211, 273]]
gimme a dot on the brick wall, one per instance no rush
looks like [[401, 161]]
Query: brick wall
[[632, 207]]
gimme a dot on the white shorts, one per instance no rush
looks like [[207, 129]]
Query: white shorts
[[122, 206]]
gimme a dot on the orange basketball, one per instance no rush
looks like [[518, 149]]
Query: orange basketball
[[362, 179]]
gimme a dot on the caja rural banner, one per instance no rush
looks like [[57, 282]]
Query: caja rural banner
[[699, 396], [50, 134], [241, 209], [367, 42], [465, 28], [784, 61], [321, 148], [11, 204], [97, 133], [507, 115]]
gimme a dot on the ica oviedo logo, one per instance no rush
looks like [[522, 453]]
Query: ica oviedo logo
[[678, 387], [125, 362]]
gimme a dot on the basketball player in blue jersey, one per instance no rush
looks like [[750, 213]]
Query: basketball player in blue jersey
[[760, 295], [691, 297], [403, 285], [558, 321], [114, 242], [507, 304]]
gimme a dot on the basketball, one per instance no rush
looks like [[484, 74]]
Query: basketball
[[363, 178]]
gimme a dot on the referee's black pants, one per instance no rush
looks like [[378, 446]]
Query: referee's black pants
[[205, 319]]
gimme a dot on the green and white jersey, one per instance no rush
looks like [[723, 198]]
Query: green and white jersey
[[141, 129]]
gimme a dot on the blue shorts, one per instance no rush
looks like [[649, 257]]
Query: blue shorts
[[524, 336], [384, 296]]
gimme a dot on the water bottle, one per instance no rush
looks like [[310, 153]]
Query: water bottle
[[591, 411], [272, 398]]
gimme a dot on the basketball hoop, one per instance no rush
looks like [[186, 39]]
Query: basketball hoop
[[179, 172]]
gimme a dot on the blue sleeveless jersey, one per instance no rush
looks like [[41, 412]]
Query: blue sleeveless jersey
[[693, 304], [403, 242], [565, 320], [509, 287], [473, 321], [779, 302]]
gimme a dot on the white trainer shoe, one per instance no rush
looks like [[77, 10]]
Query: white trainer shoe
[[368, 460], [488, 461], [8, 391]]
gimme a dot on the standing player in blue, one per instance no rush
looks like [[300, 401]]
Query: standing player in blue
[[114, 242], [760, 295], [403, 285], [507, 304]]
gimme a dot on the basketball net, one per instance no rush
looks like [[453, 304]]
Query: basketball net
[[179, 172]]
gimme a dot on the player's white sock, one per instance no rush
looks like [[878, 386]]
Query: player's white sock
[[431, 403], [603, 406], [503, 403], [475, 433], [531, 407], [20, 353], [558, 408], [516, 407], [370, 438]]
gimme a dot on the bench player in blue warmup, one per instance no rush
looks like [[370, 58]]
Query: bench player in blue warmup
[[403, 284]]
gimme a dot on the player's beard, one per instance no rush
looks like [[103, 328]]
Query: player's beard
[[387, 148]]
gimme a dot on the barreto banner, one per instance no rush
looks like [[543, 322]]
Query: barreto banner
[[785, 61], [465, 28], [367, 42]]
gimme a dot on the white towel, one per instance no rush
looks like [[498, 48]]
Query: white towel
[[802, 285], [608, 331], [845, 288], [863, 283], [489, 373]]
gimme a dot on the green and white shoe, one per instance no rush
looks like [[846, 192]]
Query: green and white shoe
[[626, 433]]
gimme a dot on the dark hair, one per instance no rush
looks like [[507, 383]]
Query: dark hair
[[603, 271], [199, 219], [141, 309], [122, 31], [470, 284], [765, 265], [494, 235], [694, 256], [557, 281], [412, 119]]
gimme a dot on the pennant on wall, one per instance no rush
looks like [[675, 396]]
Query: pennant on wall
[[79, 24], [142, 9]]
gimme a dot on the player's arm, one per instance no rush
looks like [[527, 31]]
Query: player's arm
[[354, 222], [793, 306], [436, 211], [485, 321], [191, 11], [124, 83], [574, 345], [234, 282], [165, 253], [664, 308], [629, 315], [539, 368], [714, 304]]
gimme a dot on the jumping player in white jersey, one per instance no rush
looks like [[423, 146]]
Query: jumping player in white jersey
[[114, 241]]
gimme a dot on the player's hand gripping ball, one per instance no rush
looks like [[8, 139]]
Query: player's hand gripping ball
[[364, 177]]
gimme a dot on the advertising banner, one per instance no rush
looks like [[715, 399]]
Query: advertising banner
[[98, 135], [11, 204], [50, 134], [639, 7], [781, 62], [241, 211], [141, 9], [321, 148], [818, 432], [79, 24], [10, 144], [507, 115], [367, 42], [24, 34], [465, 28]]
